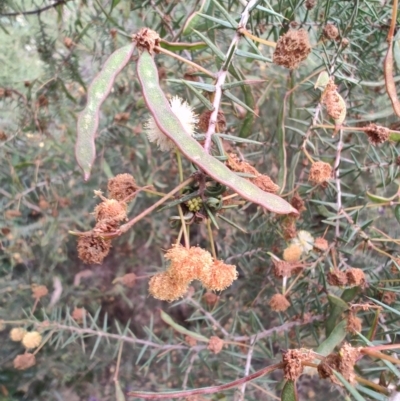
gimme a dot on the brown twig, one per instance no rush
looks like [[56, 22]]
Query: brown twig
[[33, 12]]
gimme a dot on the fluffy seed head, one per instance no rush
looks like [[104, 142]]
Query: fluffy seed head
[[221, 276], [186, 116], [376, 134], [17, 334], [292, 253], [32, 339], [122, 186], [92, 249], [330, 32], [348, 357], [166, 288], [292, 48], [355, 277], [39, 291], [24, 361], [279, 303], [215, 344], [320, 172], [304, 240], [110, 209]]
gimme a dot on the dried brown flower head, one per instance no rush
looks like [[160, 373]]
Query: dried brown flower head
[[17, 334], [345, 42], [210, 298], [397, 161], [105, 226], [166, 287], [292, 360], [321, 244], [121, 187], [292, 48], [355, 277], [282, 268], [292, 253], [92, 249], [188, 264], [332, 100], [24, 361], [261, 180], [39, 291], [389, 297], [146, 39], [32, 339], [221, 276], [298, 203], [3, 135], [377, 134], [215, 344], [204, 121], [289, 227], [192, 342], [279, 303], [320, 172], [331, 362], [354, 323], [68, 42], [310, 4], [337, 278], [190, 75], [348, 357], [78, 314], [111, 209], [128, 280], [331, 32]]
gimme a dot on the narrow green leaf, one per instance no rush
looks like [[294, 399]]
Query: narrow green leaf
[[243, 83], [238, 101], [171, 126], [394, 136], [337, 302], [193, 21], [351, 389], [334, 339], [216, 20], [397, 213], [380, 199], [197, 85], [199, 95], [119, 394], [289, 391], [180, 329], [88, 120], [211, 45], [252, 56], [226, 14], [179, 46]]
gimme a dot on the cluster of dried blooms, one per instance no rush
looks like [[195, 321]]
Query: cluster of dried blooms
[[333, 101], [292, 48], [146, 39], [330, 32], [30, 340], [320, 172], [215, 344], [261, 180], [204, 121], [354, 323], [376, 134], [293, 362], [94, 247], [279, 303], [186, 265], [352, 277], [343, 362]]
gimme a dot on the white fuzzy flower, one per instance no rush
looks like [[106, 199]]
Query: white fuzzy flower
[[185, 115], [304, 240]]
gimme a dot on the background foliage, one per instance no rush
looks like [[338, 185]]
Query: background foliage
[[47, 61]]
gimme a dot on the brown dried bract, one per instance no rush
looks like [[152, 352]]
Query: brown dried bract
[[282, 268], [331, 362], [221, 276], [261, 180], [332, 100], [167, 288], [146, 39], [24, 361], [39, 291], [310, 4], [292, 360], [215, 344], [190, 75], [389, 297], [320, 172], [210, 298], [354, 323], [204, 121], [289, 227], [292, 48], [337, 278], [128, 280], [321, 244], [330, 32], [298, 203], [93, 249], [111, 209], [279, 303], [377, 134], [355, 277], [192, 342], [122, 187], [121, 117]]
